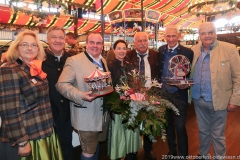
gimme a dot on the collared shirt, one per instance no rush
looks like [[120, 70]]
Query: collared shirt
[[174, 46], [202, 76], [147, 68], [98, 61], [24, 104], [59, 57]]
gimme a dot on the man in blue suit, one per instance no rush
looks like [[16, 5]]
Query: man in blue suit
[[176, 128]]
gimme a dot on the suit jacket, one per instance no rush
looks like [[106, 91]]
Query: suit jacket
[[86, 116], [60, 105], [225, 74], [152, 59], [183, 93]]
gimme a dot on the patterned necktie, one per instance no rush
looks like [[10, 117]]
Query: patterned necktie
[[142, 65], [99, 65], [170, 50]]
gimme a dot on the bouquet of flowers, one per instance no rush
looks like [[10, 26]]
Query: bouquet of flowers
[[141, 106]]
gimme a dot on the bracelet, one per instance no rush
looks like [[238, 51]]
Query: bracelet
[[23, 145]]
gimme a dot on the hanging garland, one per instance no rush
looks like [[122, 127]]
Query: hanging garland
[[200, 5], [41, 15], [50, 2], [8, 25]]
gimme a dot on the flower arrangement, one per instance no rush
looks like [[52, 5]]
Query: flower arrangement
[[141, 106]]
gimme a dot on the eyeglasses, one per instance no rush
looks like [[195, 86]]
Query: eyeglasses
[[26, 45], [60, 38]]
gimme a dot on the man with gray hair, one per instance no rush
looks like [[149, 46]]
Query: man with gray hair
[[176, 123], [216, 74], [147, 62]]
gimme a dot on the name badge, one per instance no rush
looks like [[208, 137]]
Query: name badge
[[34, 81]]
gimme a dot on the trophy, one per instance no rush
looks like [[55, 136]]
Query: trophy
[[179, 66], [98, 83]]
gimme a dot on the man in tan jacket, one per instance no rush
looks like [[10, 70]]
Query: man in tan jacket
[[86, 109], [216, 91]]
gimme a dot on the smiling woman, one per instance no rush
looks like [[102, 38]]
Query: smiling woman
[[27, 123]]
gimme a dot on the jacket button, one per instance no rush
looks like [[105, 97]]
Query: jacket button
[[61, 100], [56, 60]]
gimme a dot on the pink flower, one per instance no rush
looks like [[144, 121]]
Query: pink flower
[[130, 91], [154, 102], [123, 97], [137, 97]]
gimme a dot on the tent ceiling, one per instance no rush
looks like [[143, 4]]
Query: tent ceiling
[[172, 12]]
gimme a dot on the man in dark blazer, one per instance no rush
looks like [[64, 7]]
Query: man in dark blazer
[[53, 66], [175, 123], [151, 71]]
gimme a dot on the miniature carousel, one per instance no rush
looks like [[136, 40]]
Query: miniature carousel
[[98, 83]]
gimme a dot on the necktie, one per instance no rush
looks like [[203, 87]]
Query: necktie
[[142, 65], [170, 50]]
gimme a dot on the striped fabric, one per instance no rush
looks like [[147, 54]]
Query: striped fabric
[[24, 104]]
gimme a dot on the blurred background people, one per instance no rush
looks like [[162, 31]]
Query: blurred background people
[[110, 56], [27, 123], [123, 142], [71, 40], [53, 65]]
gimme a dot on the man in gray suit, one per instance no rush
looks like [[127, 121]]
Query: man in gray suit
[[86, 109]]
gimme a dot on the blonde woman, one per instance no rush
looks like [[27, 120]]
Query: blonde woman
[[27, 124]]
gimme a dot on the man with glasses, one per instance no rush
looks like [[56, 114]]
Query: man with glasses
[[53, 66], [86, 109], [216, 74], [175, 123], [146, 60]]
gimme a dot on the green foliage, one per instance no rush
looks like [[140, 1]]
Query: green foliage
[[141, 107]]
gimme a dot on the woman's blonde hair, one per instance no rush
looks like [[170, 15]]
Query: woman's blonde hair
[[12, 53]]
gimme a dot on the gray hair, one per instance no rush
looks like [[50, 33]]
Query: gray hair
[[209, 24], [172, 27], [139, 33]]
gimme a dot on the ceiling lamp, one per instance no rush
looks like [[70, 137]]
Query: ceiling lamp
[[211, 7]]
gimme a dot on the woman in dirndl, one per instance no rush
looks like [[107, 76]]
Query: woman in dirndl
[[27, 130]]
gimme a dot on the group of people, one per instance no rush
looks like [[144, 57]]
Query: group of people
[[43, 95]]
